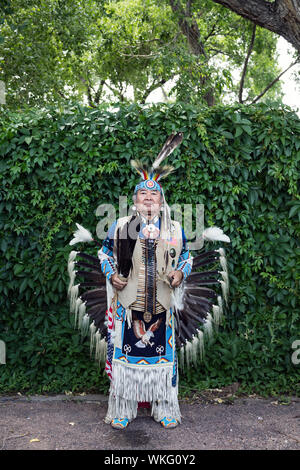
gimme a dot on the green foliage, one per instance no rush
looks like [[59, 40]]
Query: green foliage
[[58, 165], [95, 51], [225, 39]]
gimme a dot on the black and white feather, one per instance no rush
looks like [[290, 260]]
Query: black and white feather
[[199, 302], [88, 297], [169, 146]]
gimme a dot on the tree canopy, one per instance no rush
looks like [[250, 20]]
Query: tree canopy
[[122, 50]]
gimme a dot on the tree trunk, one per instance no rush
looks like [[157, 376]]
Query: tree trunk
[[282, 16], [190, 30]]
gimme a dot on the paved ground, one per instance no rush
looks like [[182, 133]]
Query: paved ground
[[76, 422]]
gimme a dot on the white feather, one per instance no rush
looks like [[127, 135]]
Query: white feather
[[221, 251], [195, 350], [188, 353], [73, 297], [215, 234], [128, 316], [181, 358], [201, 343], [97, 340], [81, 235], [72, 255], [71, 265], [85, 325], [101, 349], [225, 279], [77, 305], [208, 329], [216, 314], [71, 283], [93, 329], [177, 297], [224, 290], [81, 313], [222, 259], [223, 263], [220, 304]]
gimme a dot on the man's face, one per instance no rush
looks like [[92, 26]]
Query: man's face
[[148, 202]]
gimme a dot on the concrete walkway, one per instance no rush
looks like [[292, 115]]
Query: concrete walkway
[[76, 422]]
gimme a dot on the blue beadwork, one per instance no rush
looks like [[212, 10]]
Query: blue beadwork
[[174, 377]]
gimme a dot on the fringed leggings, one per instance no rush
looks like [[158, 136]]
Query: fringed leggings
[[119, 407]]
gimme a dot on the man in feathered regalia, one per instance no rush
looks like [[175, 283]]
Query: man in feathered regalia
[[154, 303], [153, 258]]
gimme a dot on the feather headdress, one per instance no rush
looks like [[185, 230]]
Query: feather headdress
[[156, 172]]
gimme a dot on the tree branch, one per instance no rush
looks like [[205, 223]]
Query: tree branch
[[188, 7], [246, 64], [274, 81], [281, 17], [218, 51], [88, 91], [116, 92], [153, 87], [99, 92], [152, 55], [211, 32], [60, 93]]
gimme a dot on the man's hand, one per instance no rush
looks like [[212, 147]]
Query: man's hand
[[177, 277], [117, 283]]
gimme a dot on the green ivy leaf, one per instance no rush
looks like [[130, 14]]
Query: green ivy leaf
[[18, 268]]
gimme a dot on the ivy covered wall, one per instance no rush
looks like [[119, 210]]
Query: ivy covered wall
[[58, 165]]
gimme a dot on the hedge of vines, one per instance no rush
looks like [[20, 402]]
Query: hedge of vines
[[58, 165]]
